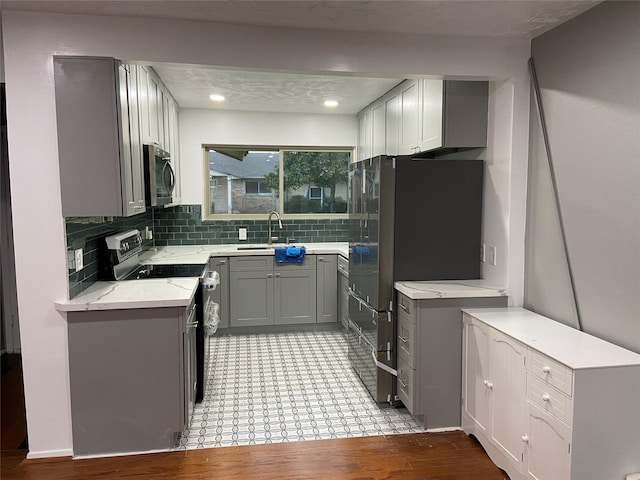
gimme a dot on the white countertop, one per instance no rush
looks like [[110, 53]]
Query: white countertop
[[576, 349], [149, 293], [199, 254], [448, 289], [171, 292]]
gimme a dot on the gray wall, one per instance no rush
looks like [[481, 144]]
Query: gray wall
[[589, 73]]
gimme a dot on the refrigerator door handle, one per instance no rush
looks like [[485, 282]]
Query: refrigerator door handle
[[381, 365]]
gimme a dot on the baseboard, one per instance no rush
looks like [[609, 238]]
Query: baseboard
[[443, 429], [67, 452], [125, 454]]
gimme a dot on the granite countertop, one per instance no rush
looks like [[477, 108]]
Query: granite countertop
[[448, 289], [149, 293], [576, 349], [171, 292]]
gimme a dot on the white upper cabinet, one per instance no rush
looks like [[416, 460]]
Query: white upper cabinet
[[425, 115], [392, 122], [431, 114], [364, 134], [453, 114], [409, 117], [378, 131]]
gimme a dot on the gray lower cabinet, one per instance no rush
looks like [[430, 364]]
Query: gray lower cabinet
[[327, 288], [430, 356], [132, 375], [265, 293], [295, 296]]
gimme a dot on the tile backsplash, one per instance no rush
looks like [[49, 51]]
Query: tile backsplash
[[183, 225], [84, 232]]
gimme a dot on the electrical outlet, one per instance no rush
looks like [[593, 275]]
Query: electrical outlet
[[483, 253], [491, 255], [148, 233], [242, 233], [78, 258]]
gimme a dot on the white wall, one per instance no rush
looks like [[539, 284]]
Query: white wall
[[589, 71], [38, 224], [216, 127]]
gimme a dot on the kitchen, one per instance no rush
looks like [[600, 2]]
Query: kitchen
[[493, 58]]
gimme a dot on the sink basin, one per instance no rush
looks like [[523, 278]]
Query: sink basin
[[249, 247]]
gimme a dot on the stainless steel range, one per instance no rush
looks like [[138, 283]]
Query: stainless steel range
[[119, 259]]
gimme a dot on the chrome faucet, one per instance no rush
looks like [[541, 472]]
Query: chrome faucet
[[271, 239]]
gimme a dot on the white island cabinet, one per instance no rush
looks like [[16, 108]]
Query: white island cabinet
[[546, 401]]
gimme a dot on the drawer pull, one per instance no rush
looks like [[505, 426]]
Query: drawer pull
[[403, 307], [525, 439], [404, 385], [403, 339], [489, 385], [546, 369], [546, 397]]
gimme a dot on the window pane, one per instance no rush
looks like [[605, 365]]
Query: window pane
[[243, 181], [315, 182]]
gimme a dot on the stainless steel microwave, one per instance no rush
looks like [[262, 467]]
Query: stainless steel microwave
[[160, 178]]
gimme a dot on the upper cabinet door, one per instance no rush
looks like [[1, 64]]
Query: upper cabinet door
[[378, 133], [409, 117], [136, 204], [364, 134], [392, 122], [431, 114]]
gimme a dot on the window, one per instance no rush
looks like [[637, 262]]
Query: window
[[256, 187], [253, 181]]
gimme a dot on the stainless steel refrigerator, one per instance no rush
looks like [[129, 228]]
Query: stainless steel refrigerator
[[409, 219]]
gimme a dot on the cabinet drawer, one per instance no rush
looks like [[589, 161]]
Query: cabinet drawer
[[550, 371], [406, 383], [406, 341], [308, 263], [251, 263], [406, 307], [343, 265], [549, 399]]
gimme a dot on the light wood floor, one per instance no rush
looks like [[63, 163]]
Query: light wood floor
[[441, 456]]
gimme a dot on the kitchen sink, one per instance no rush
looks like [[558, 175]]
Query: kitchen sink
[[249, 247]]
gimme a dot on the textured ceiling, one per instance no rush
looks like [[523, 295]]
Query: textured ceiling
[[288, 92], [512, 18], [269, 91]]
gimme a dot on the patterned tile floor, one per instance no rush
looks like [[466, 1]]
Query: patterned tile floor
[[282, 387]]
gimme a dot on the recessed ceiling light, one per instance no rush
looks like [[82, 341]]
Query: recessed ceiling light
[[217, 98], [330, 103]]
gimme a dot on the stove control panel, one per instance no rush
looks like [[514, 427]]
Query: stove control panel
[[125, 244]]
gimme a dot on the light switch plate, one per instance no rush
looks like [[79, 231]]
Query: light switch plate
[[242, 233], [491, 255], [78, 258]]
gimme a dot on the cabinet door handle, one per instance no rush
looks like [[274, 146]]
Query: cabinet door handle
[[546, 397], [489, 385], [269, 275], [546, 369], [404, 385], [277, 275], [525, 439], [222, 262], [404, 307], [403, 339]]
